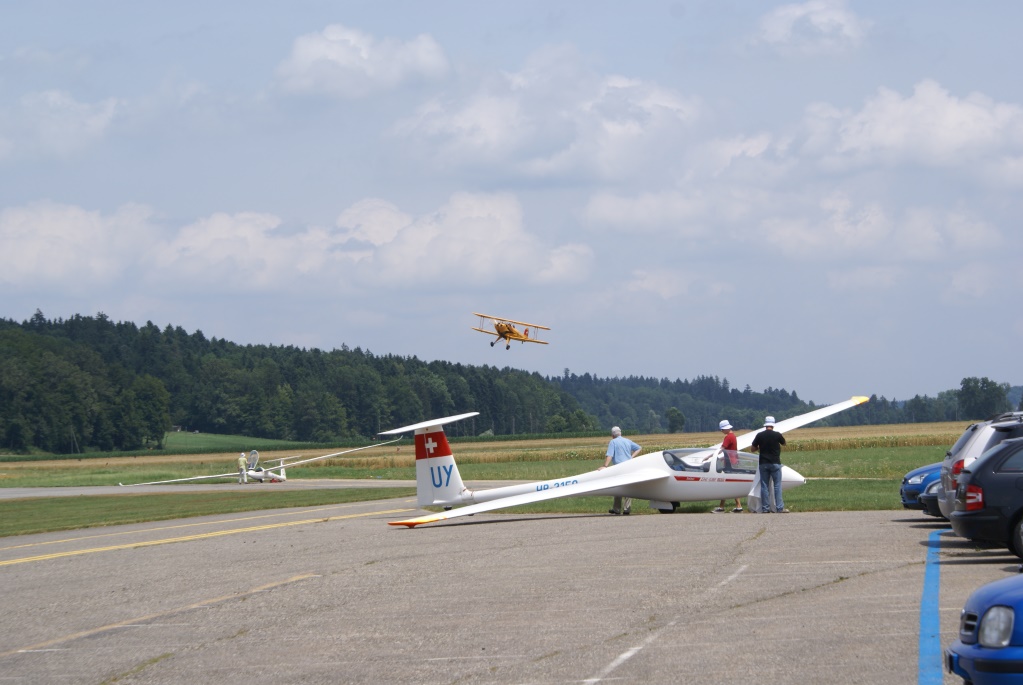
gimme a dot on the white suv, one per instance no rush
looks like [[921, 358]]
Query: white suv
[[975, 440]]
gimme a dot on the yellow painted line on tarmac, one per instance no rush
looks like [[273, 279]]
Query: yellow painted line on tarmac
[[163, 614], [189, 538], [303, 512]]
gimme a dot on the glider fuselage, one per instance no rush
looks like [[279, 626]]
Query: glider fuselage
[[687, 475]]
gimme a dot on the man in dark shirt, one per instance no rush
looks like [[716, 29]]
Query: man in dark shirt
[[768, 443]]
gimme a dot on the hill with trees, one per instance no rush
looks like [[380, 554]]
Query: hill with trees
[[87, 383]]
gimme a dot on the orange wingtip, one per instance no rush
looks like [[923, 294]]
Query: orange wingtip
[[412, 523]]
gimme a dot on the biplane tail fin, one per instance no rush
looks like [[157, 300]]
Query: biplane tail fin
[[438, 482]]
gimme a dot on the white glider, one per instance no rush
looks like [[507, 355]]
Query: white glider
[[274, 474], [665, 478]]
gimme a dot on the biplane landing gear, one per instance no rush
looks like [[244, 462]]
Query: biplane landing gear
[[508, 346], [492, 344]]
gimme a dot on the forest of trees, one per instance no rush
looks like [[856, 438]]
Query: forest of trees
[[87, 383]]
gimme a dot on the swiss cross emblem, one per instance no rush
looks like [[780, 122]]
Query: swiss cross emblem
[[430, 446]]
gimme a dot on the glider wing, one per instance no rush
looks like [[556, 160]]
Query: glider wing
[[594, 486], [282, 462], [746, 440], [233, 474], [288, 464]]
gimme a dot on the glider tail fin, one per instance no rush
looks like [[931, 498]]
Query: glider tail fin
[[437, 479]]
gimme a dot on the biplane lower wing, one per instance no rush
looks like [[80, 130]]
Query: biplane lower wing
[[511, 338], [591, 487]]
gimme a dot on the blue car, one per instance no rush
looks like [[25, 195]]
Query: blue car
[[989, 650], [915, 482]]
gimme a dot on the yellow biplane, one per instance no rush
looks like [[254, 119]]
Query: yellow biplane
[[505, 330]]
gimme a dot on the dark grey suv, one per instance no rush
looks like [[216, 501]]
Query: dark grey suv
[[975, 440], [988, 502]]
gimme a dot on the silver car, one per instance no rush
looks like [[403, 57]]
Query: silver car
[[975, 440]]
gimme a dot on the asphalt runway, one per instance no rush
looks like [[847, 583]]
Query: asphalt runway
[[334, 595]]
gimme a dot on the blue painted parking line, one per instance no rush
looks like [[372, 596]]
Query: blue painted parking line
[[930, 662]]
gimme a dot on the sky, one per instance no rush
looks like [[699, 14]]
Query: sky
[[820, 196]]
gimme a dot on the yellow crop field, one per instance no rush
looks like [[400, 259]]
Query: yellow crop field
[[401, 455]]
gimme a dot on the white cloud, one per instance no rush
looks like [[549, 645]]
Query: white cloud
[[931, 126], [52, 122], [372, 220], [248, 251], [815, 27], [664, 283], [967, 232], [475, 238], [865, 278], [485, 127], [721, 153], [839, 227], [345, 62], [557, 119], [970, 281], [52, 244], [647, 211]]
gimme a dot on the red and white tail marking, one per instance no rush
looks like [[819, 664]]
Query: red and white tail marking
[[432, 444]]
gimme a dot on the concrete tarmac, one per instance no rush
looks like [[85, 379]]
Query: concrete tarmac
[[333, 594]]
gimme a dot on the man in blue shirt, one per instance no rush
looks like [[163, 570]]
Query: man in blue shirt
[[620, 450]]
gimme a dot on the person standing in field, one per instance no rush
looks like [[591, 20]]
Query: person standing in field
[[769, 443], [729, 446], [619, 450], [243, 469]]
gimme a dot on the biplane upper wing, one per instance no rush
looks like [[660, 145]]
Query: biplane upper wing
[[746, 440], [641, 476], [501, 318]]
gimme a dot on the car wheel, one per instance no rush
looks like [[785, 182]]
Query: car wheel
[[1016, 541]]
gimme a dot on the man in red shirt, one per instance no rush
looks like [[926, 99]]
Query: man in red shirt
[[729, 446]]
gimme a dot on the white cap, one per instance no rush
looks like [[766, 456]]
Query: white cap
[[769, 421], [616, 431], [724, 425], [243, 454]]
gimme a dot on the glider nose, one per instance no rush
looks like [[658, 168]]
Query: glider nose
[[791, 477]]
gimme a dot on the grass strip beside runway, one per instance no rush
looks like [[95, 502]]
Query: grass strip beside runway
[[40, 515]]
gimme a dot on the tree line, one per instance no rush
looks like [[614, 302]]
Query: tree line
[[87, 383]]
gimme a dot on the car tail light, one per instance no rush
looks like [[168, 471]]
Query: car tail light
[[974, 497], [957, 468]]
